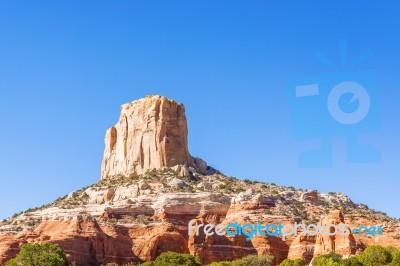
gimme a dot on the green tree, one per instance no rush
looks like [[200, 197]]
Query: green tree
[[396, 259], [221, 263], [392, 250], [147, 263], [251, 260], [375, 256], [289, 262], [172, 259], [254, 260], [352, 261], [331, 259], [46, 254]]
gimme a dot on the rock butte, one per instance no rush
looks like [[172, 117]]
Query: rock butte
[[151, 187], [151, 133]]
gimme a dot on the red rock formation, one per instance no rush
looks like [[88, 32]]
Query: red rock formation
[[302, 247], [151, 133], [341, 244], [85, 240], [125, 219]]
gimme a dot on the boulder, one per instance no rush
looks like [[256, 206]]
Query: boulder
[[184, 171], [176, 182], [311, 196], [143, 185]]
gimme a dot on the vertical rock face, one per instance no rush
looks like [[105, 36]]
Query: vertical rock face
[[151, 133], [302, 247], [344, 245]]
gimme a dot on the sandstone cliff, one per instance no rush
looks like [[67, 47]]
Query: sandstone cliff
[[134, 219], [151, 188], [151, 133]]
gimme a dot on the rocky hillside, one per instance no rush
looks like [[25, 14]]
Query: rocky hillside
[[142, 204]]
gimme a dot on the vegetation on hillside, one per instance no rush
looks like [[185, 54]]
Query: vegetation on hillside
[[251, 260], [371, 256], [288, 199], [46, 254]]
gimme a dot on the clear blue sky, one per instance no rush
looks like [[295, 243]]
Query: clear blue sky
[[67, 66]]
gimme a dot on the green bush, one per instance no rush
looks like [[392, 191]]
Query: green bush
[[254, 260], [147, 263], [331, 259], [289, 262], [352, 261], [248, 181], [396, 259], [46, 254], [392, 250], [251, 260], [375, 256], [371, 256], [172, 259], [221, 263]]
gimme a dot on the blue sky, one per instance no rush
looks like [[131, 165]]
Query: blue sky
[[67, 66]]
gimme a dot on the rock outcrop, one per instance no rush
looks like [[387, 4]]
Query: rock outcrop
[[310, 196], [151, 133], [122, 220], [302, 247], [133, 215], [341, 244], [307, 247]]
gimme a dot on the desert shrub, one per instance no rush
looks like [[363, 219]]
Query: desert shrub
[[254, 260], [375, 256], [16, 215], [152, 173], [396, 259], [251, 260], [134, 177], [172, 259], [221, 263], [147, 263], [46, 254], [392, 250], [352, 261], [331, 259], [141, 264], [289, 262]]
